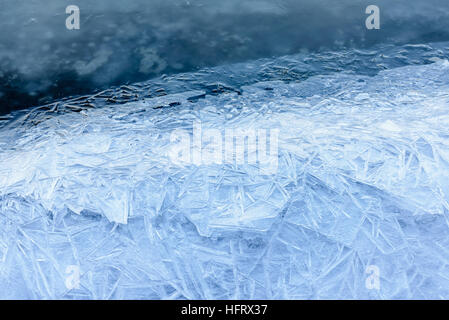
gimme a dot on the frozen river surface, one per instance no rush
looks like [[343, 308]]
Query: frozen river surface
[[355, 204]]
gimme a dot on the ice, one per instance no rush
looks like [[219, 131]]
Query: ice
[[361, 181]]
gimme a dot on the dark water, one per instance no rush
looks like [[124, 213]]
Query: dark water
[[123, 42], [231, 78]]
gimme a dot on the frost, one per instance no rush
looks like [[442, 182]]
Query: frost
[[362, 180]]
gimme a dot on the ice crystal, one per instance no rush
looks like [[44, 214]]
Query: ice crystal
[[362, 180]]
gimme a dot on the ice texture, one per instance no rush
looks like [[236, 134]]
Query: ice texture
[[362, 181]]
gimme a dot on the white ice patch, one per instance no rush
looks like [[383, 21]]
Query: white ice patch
[[362, 178]]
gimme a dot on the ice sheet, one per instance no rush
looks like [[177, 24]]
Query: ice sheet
[[361, 181]]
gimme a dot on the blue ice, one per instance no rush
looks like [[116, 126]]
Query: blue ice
[[93, 207]]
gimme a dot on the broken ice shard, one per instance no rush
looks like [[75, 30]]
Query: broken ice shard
[[361, 184]]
